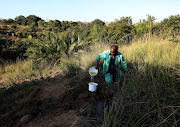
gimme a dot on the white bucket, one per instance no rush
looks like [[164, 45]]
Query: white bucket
[[93, 71], [92, 86]]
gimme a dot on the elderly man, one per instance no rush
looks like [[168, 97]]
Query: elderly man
[[112, 59]]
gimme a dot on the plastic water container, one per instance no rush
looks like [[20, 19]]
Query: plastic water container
[[92, 86], [93, 71]]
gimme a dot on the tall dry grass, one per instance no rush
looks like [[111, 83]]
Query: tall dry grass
[[157, 52], [14, 72], [149, 97]]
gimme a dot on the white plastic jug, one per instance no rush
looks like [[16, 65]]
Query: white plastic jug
[[92, 86], [93, 71]]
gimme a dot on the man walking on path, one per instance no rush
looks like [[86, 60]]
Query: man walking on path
[[112, 59]]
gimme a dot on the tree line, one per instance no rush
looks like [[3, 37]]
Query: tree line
[[35, 38]]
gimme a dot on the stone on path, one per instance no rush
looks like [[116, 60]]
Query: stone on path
[[26, 118]]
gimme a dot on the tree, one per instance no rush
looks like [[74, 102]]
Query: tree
[[150, 19], [98, 22], [171, 20], [120, 30], [141, 27], [21, 20], [95, 32], [32, 18], [170, 25], [51, 46], [10, 21], [7, 21], [125, 20]]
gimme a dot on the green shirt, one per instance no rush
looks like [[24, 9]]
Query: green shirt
[[107, 57]]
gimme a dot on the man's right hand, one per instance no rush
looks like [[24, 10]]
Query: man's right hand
[[97, 65]]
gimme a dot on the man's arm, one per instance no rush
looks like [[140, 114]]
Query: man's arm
[[101, 56]]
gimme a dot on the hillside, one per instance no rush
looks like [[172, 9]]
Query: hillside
[[59, 96], [44, 73]]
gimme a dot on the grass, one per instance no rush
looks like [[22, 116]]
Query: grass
[[150, 95], [12, 72], [157, 52]]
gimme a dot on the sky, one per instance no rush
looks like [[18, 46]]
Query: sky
[[89, 10]]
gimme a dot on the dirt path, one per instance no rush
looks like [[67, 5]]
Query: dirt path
[[52, 101], [53, 118], [56, 118]]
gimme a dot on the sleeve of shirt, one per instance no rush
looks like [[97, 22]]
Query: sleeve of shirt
[[123, 64], [102, 55]]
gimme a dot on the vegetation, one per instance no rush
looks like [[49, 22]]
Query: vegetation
[[148, 97], [22, 33]]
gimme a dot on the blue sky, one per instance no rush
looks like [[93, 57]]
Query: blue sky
[[88, 10]]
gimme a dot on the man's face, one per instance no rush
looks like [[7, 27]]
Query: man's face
[[113, 51]]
